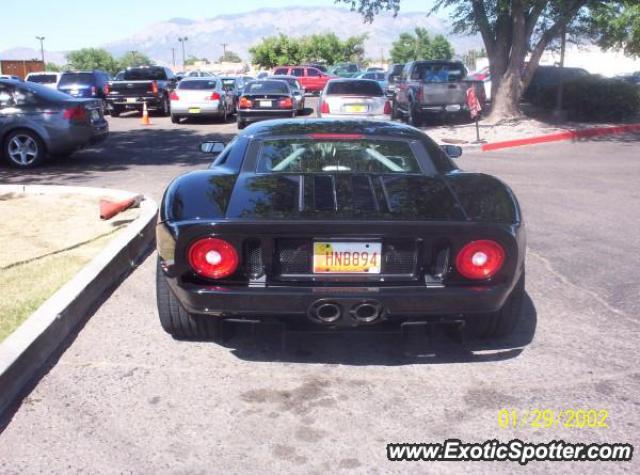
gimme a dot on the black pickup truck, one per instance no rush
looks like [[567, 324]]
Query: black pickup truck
[[135, 86], [433, 87]]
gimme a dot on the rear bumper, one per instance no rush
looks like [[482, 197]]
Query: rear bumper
[[357, 116], [443, 108], [135, 102], [77, 137], [213, 109], [254, 115], [414, 302]]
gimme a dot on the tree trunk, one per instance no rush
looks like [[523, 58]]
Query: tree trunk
[[505, 104]]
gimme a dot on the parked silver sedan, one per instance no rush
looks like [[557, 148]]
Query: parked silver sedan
[[354, 98], [37, 122], [197, 97]]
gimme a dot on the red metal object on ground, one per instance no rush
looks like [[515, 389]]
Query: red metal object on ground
[[108, 208]]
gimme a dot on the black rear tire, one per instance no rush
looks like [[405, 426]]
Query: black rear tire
[[503, 322], [176, 321], [115, 111], [241, 124], [165, 110], [175, 119], [414, 117]]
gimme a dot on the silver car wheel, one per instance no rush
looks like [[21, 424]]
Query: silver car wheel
[[23, 150]]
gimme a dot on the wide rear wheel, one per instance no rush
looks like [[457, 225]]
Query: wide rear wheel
[[176, 321], [504, 321]]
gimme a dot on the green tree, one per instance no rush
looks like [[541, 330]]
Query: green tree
[[54, 67], [230, 57], [517, 30], [327, 48], [92, 58], [133, 58], [191, 60], [411, 47]]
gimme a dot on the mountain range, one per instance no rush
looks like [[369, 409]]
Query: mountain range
[[241, 31]]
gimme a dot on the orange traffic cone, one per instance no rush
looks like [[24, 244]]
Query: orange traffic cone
[[145, 115], [108, 208]]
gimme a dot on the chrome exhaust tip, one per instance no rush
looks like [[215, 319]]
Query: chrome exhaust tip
[[327, 312], [366, 312]]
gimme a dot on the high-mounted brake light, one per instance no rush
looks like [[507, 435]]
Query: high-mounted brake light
[[244, 103], [75, 114], [336, 136], [324, 108], [480, 259], [173, 96], [213, 258]]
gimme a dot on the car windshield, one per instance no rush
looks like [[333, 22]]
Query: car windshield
[[76, 78], [43, 78], [354, 88], [267, 87], [144, 74], [336, 156], [196, 85], [291, 81], [439, 72]]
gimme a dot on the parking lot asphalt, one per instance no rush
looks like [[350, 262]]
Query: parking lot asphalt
[[125, 397]]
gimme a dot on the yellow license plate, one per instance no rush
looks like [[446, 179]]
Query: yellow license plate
[[194, 110], [347, 257], [355, 109]]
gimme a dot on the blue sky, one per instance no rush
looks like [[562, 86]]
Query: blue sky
[[72, 24]]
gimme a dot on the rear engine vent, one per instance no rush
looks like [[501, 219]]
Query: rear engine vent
[[295, 256], [253, 259], [399, 257]]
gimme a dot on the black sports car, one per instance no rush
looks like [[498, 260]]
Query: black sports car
[[338, 223]]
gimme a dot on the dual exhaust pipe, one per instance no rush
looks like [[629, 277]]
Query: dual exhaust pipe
[[329, 312]]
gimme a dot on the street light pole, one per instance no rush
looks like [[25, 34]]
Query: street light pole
[[41, 39], [182, 39], [224, 50], [173, 57]]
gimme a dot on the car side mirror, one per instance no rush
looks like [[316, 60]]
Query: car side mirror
[[452, 151], [213, 148]]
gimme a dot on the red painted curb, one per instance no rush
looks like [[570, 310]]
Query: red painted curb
[[567, 135]]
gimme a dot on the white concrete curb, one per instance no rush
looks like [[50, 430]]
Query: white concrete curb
[[26, 350]]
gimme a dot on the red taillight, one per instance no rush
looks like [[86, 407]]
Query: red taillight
[[324, 108], [286, 103], [213, 258], [244, 103], [154, 88], [75, 114], [336, 136], [387, 107], [105, 89], [480, 259], [215, 97], [173, 96]]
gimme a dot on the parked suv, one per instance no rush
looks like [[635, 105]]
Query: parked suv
[[311, 79], [90, 84], [46, 78], [136, 86]]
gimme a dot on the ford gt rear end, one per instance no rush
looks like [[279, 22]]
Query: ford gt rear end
[[338, 224]]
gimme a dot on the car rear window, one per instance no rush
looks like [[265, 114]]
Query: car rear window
[[144, 74], [291, 82], [281, 71], [196, 85], [439, 72], [362, 87], [76, 78], [305, 155], [267, 87], [43, 78]]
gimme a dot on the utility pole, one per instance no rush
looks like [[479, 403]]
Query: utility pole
[[224, 50], [173, 57], [133, 58], [182, 40], [41, 39]]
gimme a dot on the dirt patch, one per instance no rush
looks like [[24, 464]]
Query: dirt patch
[[44, 241]]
